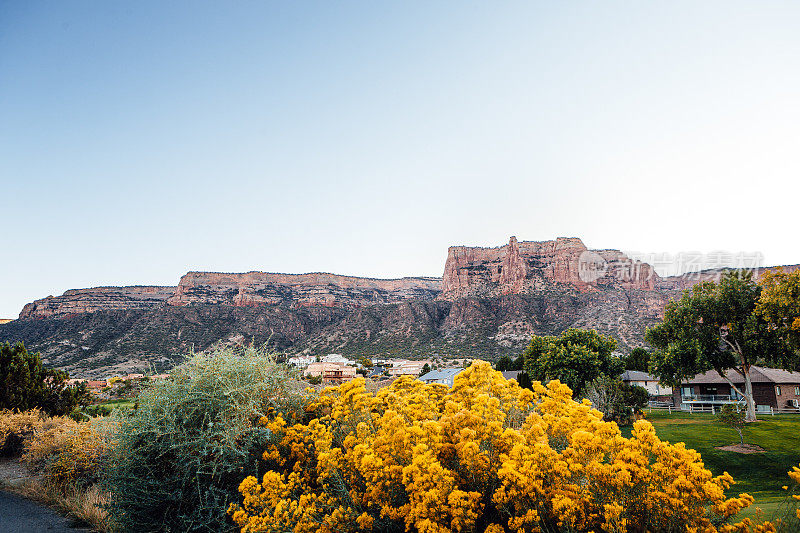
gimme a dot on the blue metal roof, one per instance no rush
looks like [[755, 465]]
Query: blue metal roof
[[443, 374]]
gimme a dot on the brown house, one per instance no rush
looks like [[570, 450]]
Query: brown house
[[774, 390], [331, 373]]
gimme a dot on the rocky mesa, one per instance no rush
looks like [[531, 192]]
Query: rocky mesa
[[331, 290], [77, 301], [488, 303]]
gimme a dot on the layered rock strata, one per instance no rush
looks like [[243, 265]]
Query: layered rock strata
[[529, 266], [265, 288], [76, 301]]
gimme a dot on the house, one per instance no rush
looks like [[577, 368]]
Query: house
[[647, 382], [333, 373], [376, 371], [404, 367], [774, 390], [511, 374], [444, 376], [336, 358], [91, 384], [301, 361]]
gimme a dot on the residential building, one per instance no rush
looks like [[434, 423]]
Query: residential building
[[774, 390], [445, 376], [376, 371], [91, 384], [332, 373], [402, 367], [336, 358], [301, 361], [648, 382]]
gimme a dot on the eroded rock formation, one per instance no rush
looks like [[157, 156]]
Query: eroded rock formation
[[264, 288], [525, 267], [76, 301], [488, 303]]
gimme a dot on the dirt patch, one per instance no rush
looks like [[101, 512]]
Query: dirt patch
[[13, 473], [741, 448]]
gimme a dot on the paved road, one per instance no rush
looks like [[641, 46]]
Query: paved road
[[18, 515]]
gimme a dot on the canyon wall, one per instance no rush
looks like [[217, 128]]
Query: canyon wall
[[489, 303], [98, 299], [264, 288]]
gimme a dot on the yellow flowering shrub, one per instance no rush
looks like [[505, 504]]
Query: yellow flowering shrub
[[66, 451], [483, 456], [16, 427]]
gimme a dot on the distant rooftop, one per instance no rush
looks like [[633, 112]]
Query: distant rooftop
[[758, 374], [637, 375], [445, 373]]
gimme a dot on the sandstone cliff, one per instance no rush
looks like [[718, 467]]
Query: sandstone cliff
[[488, 304], [97, 299], [526, 267], [264, 288]]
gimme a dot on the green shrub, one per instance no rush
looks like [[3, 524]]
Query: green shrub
[[180, 455]]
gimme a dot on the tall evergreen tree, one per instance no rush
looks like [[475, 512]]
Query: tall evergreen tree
[[25, 383]]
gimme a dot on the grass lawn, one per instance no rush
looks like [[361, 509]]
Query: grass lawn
[[116, 404], [762, 474]]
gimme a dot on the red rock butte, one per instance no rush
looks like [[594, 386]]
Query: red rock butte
[[527, 266]]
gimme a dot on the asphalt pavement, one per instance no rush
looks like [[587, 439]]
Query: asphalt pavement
[[18, 515]]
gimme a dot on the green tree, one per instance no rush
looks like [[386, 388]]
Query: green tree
[[425, 369], [504, 363], [575, 358], [618, 401], [638, 359], [524, 381], [715, 327], [733, 418], [779, 305], [26, 383]]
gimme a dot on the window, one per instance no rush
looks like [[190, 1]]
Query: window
[[797, 391], [777, 391]]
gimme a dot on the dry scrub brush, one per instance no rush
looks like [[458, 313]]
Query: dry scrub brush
[[179, 456], [15, 428]]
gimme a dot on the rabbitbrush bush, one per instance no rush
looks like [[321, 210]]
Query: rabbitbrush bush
[[179, 456], [483, 456], [66, 451], [15, 428]]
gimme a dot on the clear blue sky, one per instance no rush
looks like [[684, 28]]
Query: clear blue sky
[[140, 140]]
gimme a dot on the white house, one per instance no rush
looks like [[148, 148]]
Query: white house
[[336, 358], [301, 361], [646, 381]]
